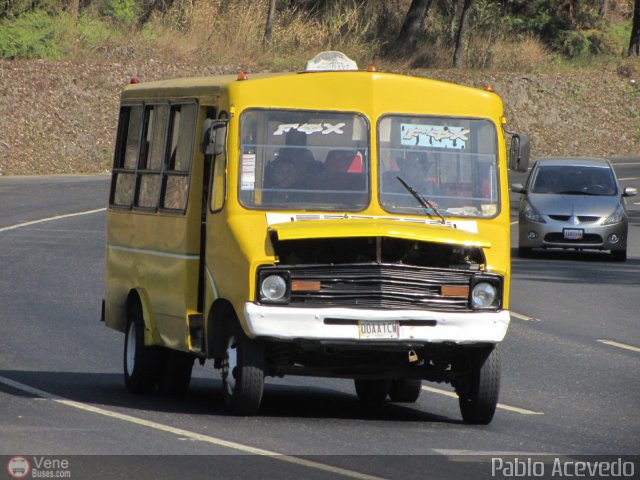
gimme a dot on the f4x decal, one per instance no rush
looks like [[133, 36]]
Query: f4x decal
[[310, 128]]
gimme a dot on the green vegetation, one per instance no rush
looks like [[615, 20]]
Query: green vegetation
[[500, 34]]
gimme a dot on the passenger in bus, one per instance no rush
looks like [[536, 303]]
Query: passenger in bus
[[289, 173]]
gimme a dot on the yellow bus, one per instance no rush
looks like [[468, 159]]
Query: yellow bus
[[334, 222]]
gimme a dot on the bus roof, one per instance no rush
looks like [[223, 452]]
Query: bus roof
[[342, 90]]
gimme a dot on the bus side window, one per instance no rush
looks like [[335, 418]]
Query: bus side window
[[152, 153], [179, 153], [126, 156]]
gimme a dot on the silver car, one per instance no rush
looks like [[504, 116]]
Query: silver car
[[573, 203]]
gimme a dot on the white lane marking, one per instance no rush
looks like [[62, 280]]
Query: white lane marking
[[629, 178], [502, 406], [492, 453], [524, 317], [49, 219], [184, 433], [620, 345]]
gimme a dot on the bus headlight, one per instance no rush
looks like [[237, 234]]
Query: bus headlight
[[273, 288], [483, 295], [486, 292]]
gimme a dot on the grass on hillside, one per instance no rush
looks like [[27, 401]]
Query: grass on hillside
[[204, 32]]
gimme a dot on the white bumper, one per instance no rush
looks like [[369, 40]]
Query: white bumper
[[309, 323]]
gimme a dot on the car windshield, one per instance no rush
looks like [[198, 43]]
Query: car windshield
[[304, 160], [574, 180], [451, 162]]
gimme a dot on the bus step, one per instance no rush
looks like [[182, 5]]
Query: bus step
[[196, 332]]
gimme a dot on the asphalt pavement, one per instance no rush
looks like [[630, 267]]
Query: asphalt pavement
[[570, 363]]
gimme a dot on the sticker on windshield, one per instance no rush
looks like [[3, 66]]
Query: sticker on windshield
[[434, 136], [248, 174], [310, 128]]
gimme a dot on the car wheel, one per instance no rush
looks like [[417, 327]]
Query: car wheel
[[478, 396], [372, 391], [142, 363], [176, 373], [242, 372], [619, 255], [405, 390], [525, 252]]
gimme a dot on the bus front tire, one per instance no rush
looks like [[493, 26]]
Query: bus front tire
[[142, 364], [242, 372], [478, 397]]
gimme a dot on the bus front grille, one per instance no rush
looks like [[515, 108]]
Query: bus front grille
[[380, 286]]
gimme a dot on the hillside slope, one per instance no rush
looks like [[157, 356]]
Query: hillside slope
[[60, 117]]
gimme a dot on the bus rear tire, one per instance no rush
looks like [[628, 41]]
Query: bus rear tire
[[372, 391], [478, 397], [242, 372], [142, 364], [405, 390]]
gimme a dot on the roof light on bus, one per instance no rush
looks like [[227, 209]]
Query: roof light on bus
[[242, 76], [489, 87], [134, 80], [331, 61], [372, 68]]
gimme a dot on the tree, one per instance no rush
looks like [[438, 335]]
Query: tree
[[634, 43], [458, 54], [72, 8], [413, 24], [267, 29]]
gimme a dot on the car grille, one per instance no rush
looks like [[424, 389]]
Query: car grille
[[589, 238], [585, 218], [380, 286], [581, 218]]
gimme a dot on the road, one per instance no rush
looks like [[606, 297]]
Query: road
[[570, 383]]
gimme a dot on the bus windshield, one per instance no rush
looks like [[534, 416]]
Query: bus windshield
[[451, 162], [304, 160]]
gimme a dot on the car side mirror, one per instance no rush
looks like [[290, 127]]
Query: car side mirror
[[517, 188], [214, 136], [519, 152], [630, 192]]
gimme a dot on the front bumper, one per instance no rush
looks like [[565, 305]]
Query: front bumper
[[550, 235], [341, 324]]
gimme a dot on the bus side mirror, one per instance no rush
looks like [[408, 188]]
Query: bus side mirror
[[519, 153], [214, 136]]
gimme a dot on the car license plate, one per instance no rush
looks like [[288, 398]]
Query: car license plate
[[573, 233], [380, 329]]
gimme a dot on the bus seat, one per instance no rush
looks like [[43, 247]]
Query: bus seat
[[339, 161]]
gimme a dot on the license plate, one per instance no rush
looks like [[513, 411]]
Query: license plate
[[384, 329], [573, 233]]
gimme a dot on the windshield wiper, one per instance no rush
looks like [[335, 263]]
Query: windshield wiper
[[426, 204]]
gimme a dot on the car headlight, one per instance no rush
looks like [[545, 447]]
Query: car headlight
[[616, 217], [532, 214]]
